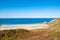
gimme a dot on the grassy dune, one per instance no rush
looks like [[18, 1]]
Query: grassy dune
[[21, 34], [52, 33], [18, 34]]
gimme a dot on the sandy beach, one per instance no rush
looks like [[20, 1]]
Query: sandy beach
[[25, 26]]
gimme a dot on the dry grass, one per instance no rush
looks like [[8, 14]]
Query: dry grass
[[21, 34]]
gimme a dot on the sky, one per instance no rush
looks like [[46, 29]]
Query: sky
[[29, 8]]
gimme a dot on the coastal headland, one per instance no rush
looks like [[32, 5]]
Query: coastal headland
[[43, 31]]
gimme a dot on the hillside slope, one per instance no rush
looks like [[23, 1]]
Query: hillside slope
[[55, 24]]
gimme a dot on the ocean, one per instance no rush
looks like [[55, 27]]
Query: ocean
[[24, 20]]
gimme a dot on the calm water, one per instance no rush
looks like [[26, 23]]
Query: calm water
[[24, 20]]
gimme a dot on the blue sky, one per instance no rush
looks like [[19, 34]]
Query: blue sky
[[29, 8]]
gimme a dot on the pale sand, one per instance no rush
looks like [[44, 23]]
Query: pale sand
[[27, 26]]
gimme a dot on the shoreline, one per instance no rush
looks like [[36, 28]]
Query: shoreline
[[25, 26], [43, 25]]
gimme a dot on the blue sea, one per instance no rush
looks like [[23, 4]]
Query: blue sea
[[24, 20]]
